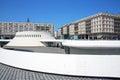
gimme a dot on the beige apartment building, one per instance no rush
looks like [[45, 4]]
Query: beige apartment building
[[98, 26], [8, 29]]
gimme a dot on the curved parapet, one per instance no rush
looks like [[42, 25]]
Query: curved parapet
[[75, 65], [92, 47], [92, 43]]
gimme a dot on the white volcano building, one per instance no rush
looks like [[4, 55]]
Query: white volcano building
[[30, 38]]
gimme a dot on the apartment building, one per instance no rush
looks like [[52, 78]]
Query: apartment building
[[98, 26], [8, 29]]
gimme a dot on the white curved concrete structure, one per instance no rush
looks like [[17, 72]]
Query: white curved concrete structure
[[92, 43], [5, 40], [30, 38], [80, 65]]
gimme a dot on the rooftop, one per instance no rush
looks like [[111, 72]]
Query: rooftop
[[92, 16]]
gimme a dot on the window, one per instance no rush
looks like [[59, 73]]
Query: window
[[39, 35], [38, 28], [47, 28], [42, 28]]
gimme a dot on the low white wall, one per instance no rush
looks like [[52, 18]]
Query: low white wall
[[85, 65], [92, 43]]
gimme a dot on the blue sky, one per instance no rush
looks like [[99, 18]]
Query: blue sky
[[58, 12]]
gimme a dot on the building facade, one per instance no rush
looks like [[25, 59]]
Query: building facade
[[8, 29], [98, 26]]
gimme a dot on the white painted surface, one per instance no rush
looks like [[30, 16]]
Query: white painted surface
[[85, 65], [30, 38], [5, 40], [92, 43]]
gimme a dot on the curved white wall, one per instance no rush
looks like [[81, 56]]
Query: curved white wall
[[85, 65], [92, 43]]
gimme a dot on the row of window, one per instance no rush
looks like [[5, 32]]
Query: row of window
[[16, 30], [22, 27], [105, 22], [102, 30], [92, 30], [32, 24], [102, 26], [28, 36], [105, 18]]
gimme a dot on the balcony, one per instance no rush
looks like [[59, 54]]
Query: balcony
[[75, 31]]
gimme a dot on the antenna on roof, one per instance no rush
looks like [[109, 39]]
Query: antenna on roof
[[28, 20]]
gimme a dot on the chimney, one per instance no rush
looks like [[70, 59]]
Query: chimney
[[28, 20]]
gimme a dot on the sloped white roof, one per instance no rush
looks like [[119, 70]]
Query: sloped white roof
[[30, 38]]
